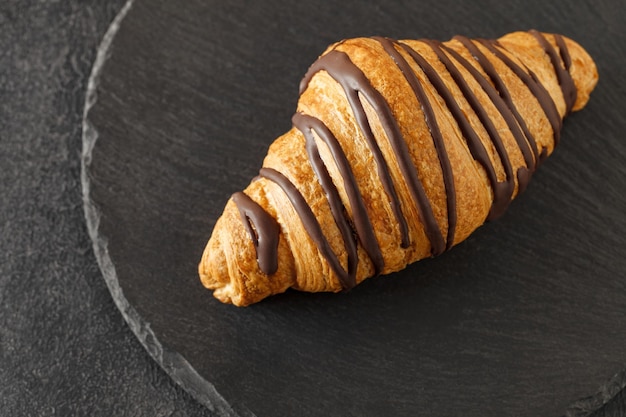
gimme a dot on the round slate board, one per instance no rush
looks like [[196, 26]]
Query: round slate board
[[525, 318]]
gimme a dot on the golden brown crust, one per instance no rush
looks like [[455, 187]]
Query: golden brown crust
[[229, 264]]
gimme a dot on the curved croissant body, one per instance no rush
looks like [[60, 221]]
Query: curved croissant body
[[399, 150]]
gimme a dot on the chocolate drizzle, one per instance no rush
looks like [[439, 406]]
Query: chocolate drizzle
[[263, 230], [312, 226], [364, 230], [339, 66], [564, 52], [431, 122], [533, 84], [562, 72], [515, 121], [356, 227], [502, 191]]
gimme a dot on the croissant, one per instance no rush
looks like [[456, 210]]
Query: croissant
[[399, 150]]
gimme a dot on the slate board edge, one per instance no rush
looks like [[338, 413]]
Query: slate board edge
[[587, 406], [174, 364]]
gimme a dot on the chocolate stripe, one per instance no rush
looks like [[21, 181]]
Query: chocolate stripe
[[310, 223], [362, 223], [502, 191], [536, 88], [563, 76], [525, 140], [563, 51], [339, 66], [433, 127], [263, 230], [523, 173]]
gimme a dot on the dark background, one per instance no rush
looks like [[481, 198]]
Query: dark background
[[64, 347]]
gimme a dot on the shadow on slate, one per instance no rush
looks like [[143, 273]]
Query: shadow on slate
[[525, 318]]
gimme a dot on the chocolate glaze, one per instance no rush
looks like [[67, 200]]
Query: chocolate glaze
[[562, 72], [339, 66], [524, 138], [564, 52], [362, 224], [311, 225], [537, 89], [502, 191], [357, 228], [501, 98], [433, 127], [263, 229]]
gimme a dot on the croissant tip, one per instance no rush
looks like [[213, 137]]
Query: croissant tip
[[215, 275], [213, 271], [223, 291]]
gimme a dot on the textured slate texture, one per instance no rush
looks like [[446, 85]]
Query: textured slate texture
[[64, 347], [525, 318]]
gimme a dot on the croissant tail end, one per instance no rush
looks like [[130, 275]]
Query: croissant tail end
[[214, 273], [229, 264]]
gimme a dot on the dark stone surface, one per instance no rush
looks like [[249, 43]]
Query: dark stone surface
[[64, 347], [526, 318]]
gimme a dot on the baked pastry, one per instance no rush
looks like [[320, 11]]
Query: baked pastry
[[399, 150]]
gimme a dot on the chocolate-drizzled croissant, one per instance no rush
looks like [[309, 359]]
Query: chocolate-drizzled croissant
[[399, 150]]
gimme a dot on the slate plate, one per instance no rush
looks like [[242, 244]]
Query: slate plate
[[526, 318]]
